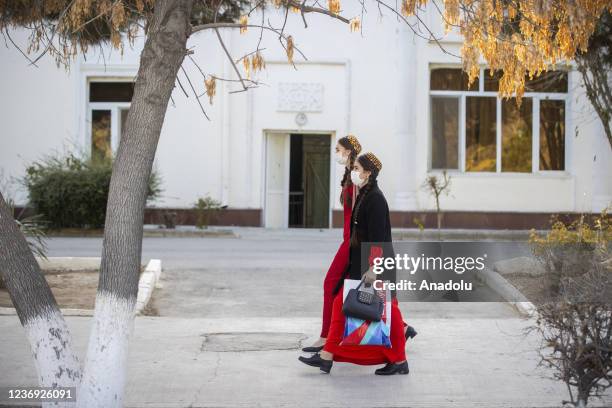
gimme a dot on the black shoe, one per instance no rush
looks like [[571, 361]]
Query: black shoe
[[410, 332], [392, 368], [316, 361], [312, 349]]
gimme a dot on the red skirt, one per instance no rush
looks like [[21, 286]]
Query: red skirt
[[333, 276], [365, 355]]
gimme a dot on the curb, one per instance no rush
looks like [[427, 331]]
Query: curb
[[400, 234], [147, 232], [68, 264], [506, 290], [149, 280], [224, 233]]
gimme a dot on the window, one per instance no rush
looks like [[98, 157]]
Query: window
[[516, 135], [552, 135], [109, 103], [473, 130], [445, 133], [450, 79], [480, 123], [548, 81], [100, 134], [111, 91]]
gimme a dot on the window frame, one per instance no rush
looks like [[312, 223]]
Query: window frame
[[114, 107], [461, 148], [535, 141]]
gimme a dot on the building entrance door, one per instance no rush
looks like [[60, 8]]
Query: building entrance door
[[297, 180], [309, 171]]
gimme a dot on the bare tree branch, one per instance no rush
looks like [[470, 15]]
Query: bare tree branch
[[18, 48], [229, 56], [194, 92], [309, 9]]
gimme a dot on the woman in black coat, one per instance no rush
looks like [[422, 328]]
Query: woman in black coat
[[369, 224]]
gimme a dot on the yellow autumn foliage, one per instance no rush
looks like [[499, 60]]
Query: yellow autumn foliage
[[211, 87], [597, 231], [290, 49], [243, 23], [520, 37]]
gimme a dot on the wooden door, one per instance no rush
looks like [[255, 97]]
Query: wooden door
[[316, 168]]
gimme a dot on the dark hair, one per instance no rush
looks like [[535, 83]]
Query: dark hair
[[369, 166], [346, 179]]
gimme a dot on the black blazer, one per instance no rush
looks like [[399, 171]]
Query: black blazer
[[372, 225]]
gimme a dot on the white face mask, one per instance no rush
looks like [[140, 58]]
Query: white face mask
[[341, 159], [356, 179]]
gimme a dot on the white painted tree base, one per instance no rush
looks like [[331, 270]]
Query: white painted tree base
[[105, 369], [56, 362]]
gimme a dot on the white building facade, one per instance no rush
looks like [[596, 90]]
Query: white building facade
[[265, 153]]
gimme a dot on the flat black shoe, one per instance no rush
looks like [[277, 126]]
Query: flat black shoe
[[312, 349], [410, 332], [316, 361], [391, 368]]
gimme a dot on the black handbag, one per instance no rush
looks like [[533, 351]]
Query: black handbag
[[363, 304]]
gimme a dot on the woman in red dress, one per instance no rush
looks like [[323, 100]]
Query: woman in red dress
[[347, 149], [369, 223]]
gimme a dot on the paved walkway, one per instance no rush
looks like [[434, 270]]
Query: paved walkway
[[252, 362], [216, 345]]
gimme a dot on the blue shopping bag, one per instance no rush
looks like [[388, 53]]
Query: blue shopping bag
[[364, 332]]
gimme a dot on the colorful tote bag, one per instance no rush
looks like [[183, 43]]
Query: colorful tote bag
[[364, 332]]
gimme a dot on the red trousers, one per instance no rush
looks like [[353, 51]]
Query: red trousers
[[365, 355], [334, 274]]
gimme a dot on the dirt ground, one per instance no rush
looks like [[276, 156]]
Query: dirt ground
[[72, 290], [532, 287]]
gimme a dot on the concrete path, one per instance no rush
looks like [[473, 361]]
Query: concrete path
[[235, 312], [252, 362]]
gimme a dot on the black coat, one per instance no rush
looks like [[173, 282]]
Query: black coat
[[372, 224]]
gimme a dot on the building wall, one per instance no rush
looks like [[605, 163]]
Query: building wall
[[37, 108], [375, 85]]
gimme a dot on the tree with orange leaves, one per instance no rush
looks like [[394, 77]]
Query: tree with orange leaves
[[515, 36]]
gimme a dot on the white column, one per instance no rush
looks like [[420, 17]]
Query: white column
[[405, 116], [226, 123]]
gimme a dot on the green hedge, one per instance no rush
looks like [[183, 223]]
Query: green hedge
[[71, 192]]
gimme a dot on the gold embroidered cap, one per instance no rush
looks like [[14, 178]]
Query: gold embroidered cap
[[374, 160], [355, 143]]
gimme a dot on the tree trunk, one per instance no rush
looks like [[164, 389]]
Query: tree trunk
[[56, 362], [595, 79], [106, 364]]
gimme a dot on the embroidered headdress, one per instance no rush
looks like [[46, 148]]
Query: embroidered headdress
[[373, 160], [355, 143]]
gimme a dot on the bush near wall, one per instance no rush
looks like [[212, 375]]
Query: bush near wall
[[71, 192]]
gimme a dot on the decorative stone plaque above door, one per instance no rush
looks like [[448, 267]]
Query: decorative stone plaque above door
[[300, 97]]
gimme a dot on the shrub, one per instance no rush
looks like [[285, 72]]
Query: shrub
[[575, 320], [32, 226], [70, 191], [205, 207]]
